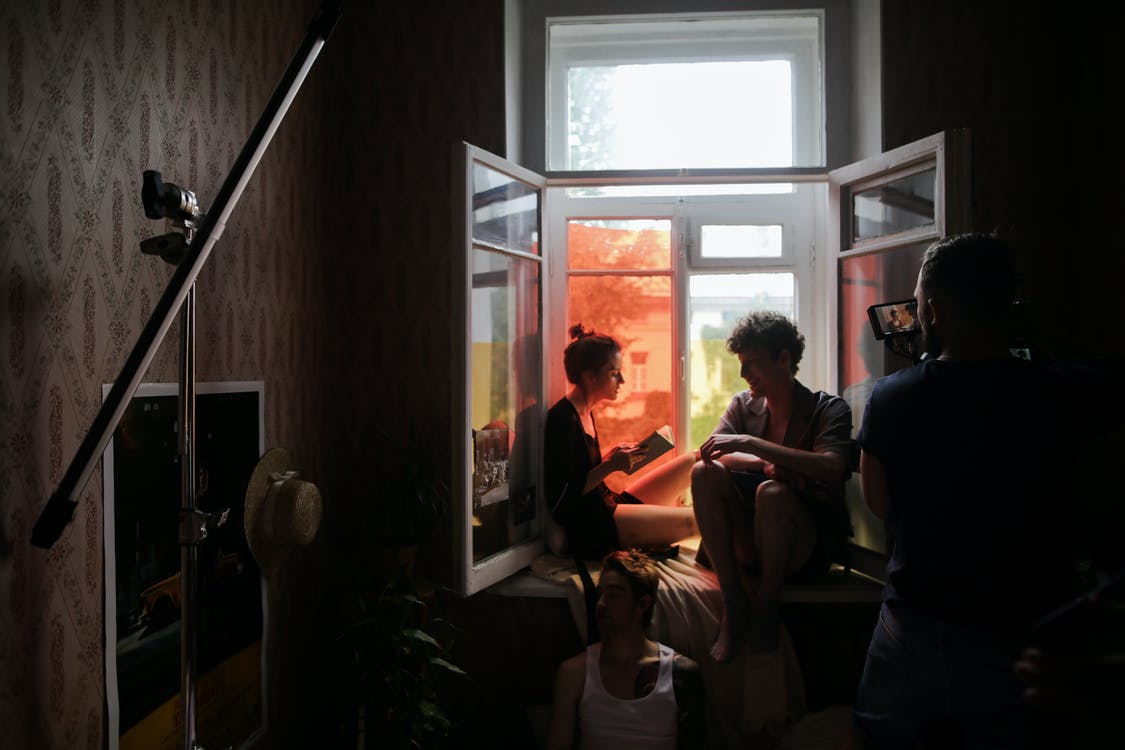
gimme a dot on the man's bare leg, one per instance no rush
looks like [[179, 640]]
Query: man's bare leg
[[784, 537], [715, 499]]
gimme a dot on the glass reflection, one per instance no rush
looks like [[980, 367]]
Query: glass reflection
[[505, 211], [867, 280], [505, 391], [906, 203]]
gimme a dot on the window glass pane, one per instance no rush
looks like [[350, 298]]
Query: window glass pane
[[598, 244], [505, 211], [716, 302], [725, 114], [637, 311], [867, 280], [898, 206], [505, 387], [740, 241]]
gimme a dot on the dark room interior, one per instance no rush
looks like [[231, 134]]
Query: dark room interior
[[332, 285]]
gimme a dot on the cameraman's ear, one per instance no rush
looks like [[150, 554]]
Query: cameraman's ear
[[935, 310]]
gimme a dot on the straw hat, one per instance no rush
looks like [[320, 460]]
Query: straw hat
[[282, 510]]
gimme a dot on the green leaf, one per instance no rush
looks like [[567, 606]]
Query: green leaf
[[422, 636], [433, 713], [437, 661]]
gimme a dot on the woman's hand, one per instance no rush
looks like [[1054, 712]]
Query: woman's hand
[[626, 456]]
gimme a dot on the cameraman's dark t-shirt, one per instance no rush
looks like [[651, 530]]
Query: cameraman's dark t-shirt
[[976, 456]]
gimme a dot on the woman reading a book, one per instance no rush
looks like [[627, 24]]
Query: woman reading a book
[[598, 520]]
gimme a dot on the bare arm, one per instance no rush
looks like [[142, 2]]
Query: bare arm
[[739, 461], [569, 681], [826, 466], [688, 686], [873, 480]]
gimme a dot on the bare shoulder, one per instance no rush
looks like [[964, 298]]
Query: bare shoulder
[[684, 665], [572, 671], [686, 677]]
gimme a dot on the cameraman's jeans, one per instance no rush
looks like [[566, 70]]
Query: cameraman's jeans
[[947, 685]]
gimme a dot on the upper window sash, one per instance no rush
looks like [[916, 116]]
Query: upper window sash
[[616, 40]]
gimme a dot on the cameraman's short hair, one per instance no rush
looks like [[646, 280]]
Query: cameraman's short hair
[[976, 270], [771, 331], [639, 570]]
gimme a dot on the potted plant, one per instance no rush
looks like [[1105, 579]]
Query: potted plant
[[409, 497], [392, 650], [398, 659]]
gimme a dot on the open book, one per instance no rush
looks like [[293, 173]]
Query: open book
[[658, 443]]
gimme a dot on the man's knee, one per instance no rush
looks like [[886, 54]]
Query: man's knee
[[774, 502], [707, 481]]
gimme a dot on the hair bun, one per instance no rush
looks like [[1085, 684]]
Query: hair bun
[[577, 331]]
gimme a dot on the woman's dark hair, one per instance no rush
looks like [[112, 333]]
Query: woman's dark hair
[[639, 570], [770, 331], [587, 351]]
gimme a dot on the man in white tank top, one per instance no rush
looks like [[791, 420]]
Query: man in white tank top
[[627, 691]]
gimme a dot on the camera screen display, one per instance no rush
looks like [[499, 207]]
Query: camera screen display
[[894, 318]]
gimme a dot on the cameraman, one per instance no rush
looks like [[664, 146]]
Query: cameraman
[[966, 455]]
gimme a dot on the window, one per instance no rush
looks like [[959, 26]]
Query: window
[[884, 212], [664, 246], [669, 91], [498, 416], [669, 267]]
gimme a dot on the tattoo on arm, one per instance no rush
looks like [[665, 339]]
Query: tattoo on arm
[[688, 686]]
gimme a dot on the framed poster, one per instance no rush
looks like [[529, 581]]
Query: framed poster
[[142, 486]]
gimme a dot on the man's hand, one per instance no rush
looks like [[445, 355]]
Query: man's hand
[[796, 466], [718, 446], [788, 476]]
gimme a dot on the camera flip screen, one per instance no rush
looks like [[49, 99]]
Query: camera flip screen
[[894, 318]]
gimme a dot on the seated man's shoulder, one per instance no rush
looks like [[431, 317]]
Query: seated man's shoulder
[[685, 668], [576, 663]]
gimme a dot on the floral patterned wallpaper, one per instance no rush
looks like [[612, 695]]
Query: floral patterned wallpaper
[[93, 92]]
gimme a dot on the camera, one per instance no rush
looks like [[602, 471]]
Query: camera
[[890, 319]]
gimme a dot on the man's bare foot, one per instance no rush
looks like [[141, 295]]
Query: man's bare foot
[[733, 629]]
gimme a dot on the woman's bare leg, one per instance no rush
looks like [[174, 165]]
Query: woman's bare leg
[[667, 483], [653, 525]]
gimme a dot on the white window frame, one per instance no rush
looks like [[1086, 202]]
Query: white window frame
[[946, 152], [471, 576], [527, 63], [692, 37]]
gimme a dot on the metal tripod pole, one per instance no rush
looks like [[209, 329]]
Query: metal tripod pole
[[190, 529]]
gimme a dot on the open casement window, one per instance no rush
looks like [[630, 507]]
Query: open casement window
[[498, 410], [883, 213], [665, 268]]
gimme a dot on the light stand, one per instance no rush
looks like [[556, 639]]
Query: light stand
[[189, 254], [166, 200]]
